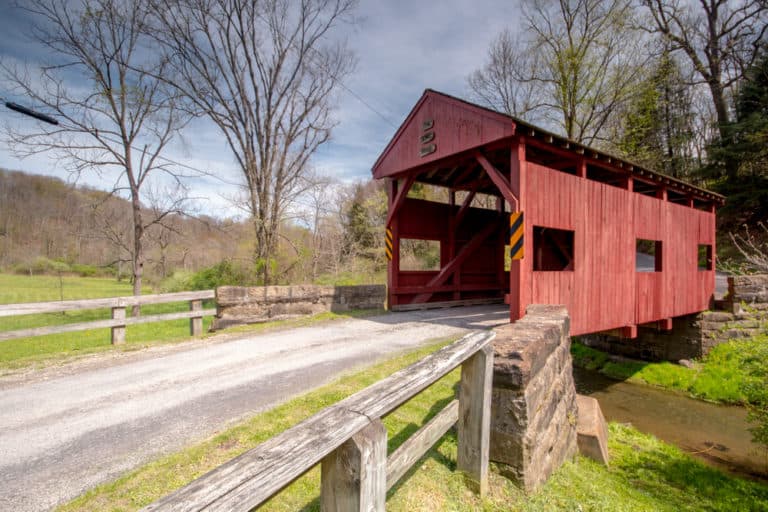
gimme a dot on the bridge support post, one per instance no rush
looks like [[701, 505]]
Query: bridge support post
[[534, 412]]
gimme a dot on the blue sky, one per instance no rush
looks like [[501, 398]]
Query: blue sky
[[402, 48]]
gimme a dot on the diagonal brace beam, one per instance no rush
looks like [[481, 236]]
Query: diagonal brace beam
[[564, 253], [462, 178], [453, 265], [499, 180], [465, 205]]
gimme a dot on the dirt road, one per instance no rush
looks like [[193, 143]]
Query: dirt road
[[64, 430]]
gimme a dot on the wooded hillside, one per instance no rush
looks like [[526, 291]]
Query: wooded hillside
[[49, 226], [45, 218]]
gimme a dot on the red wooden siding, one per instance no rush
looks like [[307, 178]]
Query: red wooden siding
[[458, 126], [598, 292], [604, 291], [680, 288]]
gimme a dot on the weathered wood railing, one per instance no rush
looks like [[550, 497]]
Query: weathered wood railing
[[349, 441], [119, 319]]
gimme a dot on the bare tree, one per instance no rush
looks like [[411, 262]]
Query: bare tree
[[324, 214], [753, 247], [115, 117], [575, 64], [720, 38], [505, 82], [265, 73]]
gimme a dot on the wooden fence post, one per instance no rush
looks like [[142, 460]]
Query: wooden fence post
[[196, 322], [118, 331], [354, 476], [474, 425]]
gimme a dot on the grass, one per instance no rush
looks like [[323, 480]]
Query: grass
[[43, 350], [645, 474], [718, 377], [17, 288]]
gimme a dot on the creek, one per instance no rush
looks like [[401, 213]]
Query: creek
[[717, 434]]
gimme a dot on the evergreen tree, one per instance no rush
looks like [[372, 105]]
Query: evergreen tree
[[658, 129], [749, 134], [746, 145]]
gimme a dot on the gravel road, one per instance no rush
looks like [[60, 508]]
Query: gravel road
[[65, 429]]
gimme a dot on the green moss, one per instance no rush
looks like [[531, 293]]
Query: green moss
[[587, 358], [719, 377]]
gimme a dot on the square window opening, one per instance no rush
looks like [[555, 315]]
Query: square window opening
[[648, 256], [553, 249], [705, 257], [419, 255]]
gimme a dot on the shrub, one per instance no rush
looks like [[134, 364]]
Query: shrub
[[176, 282], [91, 270], [42, 265], [45, 266], [224, 273]]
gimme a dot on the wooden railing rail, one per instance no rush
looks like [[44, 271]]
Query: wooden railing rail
[[119, 319], [349, 441]]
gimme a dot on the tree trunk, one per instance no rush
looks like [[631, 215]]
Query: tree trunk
[[138, 253], [723, 120], [261, 252]]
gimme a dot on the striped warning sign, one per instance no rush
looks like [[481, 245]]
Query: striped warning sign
[[388, 244], [516, 230]]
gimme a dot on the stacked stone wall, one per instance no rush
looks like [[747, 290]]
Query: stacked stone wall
[[237, 305], [533, 411]]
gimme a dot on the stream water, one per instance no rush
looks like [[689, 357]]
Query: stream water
[[717, 434]]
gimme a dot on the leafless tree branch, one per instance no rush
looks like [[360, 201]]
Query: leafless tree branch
[[116, 118], [265, 73]]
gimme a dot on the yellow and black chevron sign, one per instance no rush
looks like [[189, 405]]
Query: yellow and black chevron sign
[[388, 244], [516, 231]]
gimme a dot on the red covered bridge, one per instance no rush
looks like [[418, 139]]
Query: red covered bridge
[[585, 215]]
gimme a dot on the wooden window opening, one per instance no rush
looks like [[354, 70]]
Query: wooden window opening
[[648, 255], [553, 249], [705, 257]]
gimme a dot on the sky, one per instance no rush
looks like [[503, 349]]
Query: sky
[[402, 47]]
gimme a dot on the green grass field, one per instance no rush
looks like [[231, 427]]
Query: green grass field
[[25, 351], [645, 474], [17, 288]]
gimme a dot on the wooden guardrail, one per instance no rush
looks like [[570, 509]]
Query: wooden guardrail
[[349, 441], [119, 319]]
